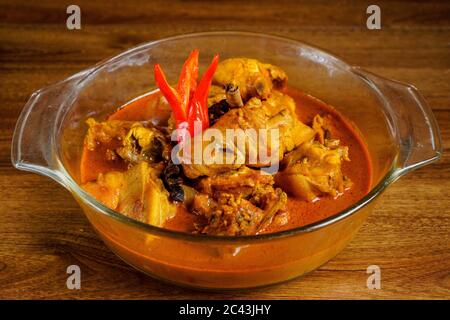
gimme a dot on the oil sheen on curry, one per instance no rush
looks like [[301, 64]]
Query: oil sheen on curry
[[129, 165]]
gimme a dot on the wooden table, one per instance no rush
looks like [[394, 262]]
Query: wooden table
[[42, 229]]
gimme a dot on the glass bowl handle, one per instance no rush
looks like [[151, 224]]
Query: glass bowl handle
[[410, 119], [33, 146]]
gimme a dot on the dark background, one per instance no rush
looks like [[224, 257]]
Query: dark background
[[42, 229]]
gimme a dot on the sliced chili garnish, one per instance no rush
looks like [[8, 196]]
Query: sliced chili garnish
[[201, 94], [188, 100], [187, 82], [198, 108], [170, 94]]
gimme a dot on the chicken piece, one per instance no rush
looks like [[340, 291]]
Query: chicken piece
[[237, 202], [243, 181], [144, 144], [105, 132], [248, 143], [232, 214], [277, 112], [137, 193], [251, 77], [229, 215], [313, 170], [215, 95], [129, 140]]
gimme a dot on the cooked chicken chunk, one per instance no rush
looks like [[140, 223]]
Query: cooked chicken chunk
[[232, 214], [312, 170], [131, 141], [105, 132], [253, 78], [238, 202], [137, 193], [144, 144], [277, 112], [215, 95], [243, 181], [229, 215]]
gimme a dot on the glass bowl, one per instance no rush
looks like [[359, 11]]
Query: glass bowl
[[395, 121]]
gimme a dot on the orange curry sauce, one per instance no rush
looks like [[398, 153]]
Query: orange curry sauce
[[359, 169]]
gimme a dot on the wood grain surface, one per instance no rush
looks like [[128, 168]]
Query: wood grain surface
[[42, 229]]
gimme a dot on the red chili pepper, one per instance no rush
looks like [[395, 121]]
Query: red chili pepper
[[179, 98], [188, 100], [198, 108], [170, 94], [187, 82]]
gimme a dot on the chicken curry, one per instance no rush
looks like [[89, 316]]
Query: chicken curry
[[322, 163]]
